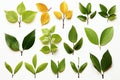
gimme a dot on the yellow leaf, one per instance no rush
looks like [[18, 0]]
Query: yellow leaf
[[64, 7], [45, 17], [69, 14], [42, 7], [58, 15]]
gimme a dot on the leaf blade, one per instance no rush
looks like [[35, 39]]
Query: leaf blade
[[41, 67], [83, 10], [17, 68], [68, 49], [112, 10], [34, 61], [21, 8], [82, 68], [74, 67], [61, 66], [45, 18], [79, 44], [69, 14], [58, 15], [56, 38], [30, 68], [63, 7], [8, 67], [45, 49], [103, 8], [92, 15], [82, 18], [54, 67], [88, 7], [42, 7]]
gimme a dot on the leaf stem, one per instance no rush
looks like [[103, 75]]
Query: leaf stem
[[63, 21], [99, 47], [12, 75], [58, 71], [78, 67], [73, 49], [21, 53], [50, 44], [102, 75], [35, 75], [19, 21], [49, 9], [87, 19]]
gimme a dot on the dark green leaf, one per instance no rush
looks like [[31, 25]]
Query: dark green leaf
[[82, 18], [30, 68], [34, 61], [92, 15], [112, 10], [88, 7], [78, 45], [72, 35], [106, 61], [53, 48], [95, 62], [17, 68], [41, 67], [52, 29], [82, 68], [103, 8], [61, 66], [21, 8], [83, 10], [103, 14], [56, 38], [112, 17], [54, 67], [74, 67], [106, 36], [44, 39], [45, 50], [68, 49], [28, 40], [12, 42], [8, 67]]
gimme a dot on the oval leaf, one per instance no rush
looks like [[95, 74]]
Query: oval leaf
[[53, 48], [52, 29], [8, 67], [56, 38], [92, 36], [68, 49], [92, 15], [74, 67], [44, 39], [34, 61], [30, 68], [45, 50], [106, 36], [41, 67], [112, 10], [82, 18], [83, 10], [82, 68], [42, 7], [105, 15], [64, 7], [112, 17], [103, 8], [12, 42], [61, 66], [58, 15], [69, 14], [45, 18], [88, 7], [78, 45], [54, 67], [17, 68], [21, 8], [28, 40]]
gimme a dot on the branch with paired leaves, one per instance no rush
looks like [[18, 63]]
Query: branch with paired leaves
[[73, 36], [105, 38], [109, 14], [17, 68], [27, 43], [33, 68], [48, 38], [26, 16], [104, 65], [78, 69], [58, 68], [86, 11]]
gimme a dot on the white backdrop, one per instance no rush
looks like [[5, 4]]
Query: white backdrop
[[98, 24]]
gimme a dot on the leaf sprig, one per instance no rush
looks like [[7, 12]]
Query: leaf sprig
[[109, 14], [86, 11], [33, 68], [17, 68], [27, 43], [22, 15], [73, 36], [104, 65], [48, 38]]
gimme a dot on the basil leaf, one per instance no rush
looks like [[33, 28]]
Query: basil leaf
[[56, 38], [103, 8], [45, 50], [112, 10], [54, 67], [30, 68], [82, 68], [17, 68], [53, 48], [112, 17], [34, 61], [78, 45], [92, 15], [88, 7], [8, 67], [82, 18], [21, 8], [105, 15], [83, 10], [68, 49], [74, 67], [41, 67], [61, 66]]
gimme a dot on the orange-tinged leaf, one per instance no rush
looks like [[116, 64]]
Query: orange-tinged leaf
[[64, 7], [42, 7], [69, 14], [45, 17], [58, 15]]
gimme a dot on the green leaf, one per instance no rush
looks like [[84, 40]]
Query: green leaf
[[83, 10], [52, 29], [8, 67], [72, 35], [82, 18], [105, 15], [28, 16], [88, 7], [78, 45], [74, 67], [53, 48], [103, 8], [28, 40], [44, 39], [82, 68], [41, 67], [45, 50], [12, 42], [56, 38], [112, 17], [106, 36], [61, 66], [92, 36], [34, 61], [21, 8], [46, 31], [54, 67], [17, 68], [112, 10], [92, 15], [95, 62], [68, 49], [30, 68], [106, 61]]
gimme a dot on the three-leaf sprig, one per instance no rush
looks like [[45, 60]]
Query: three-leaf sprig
[[86, 11], [26, 16], [73, 36]]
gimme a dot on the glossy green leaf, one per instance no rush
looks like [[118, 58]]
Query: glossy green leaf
[[83, 10], [30, 68], [54, 67], [106, 61], [92, 15], [41, 67], [45, 50], [28, 40], [95, 62], [78, 45], [34, 61], [112, 10], [44, 39], [12, 42], [88, 7], [52, 29], [61, 66], [28, 16], [21, 8], [82, 18], [46, 31], [103, 8], [8, 67], [92, 36], [112, 17], [11, 16], [106, 36], [74, 67], [82, 68], [53, 48], [55, 38], [17, 68], [73, 35], [105, 15], [68, 49]]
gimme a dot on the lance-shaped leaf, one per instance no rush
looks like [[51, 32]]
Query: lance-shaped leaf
[[103, 8], [17, 68], [82, 68], [28, 40], [68, 49], [106, 36], [41, 67], [54, 67], [106, 61], [45, 49], [105, 15], [92, 15], [83, 10], [82, 18], [21, 8], [30, 68], [78, 45], [74, 67], [64, 7], [52, 29], [8, 67], [61, 66], [112, 10], [112, 17], [88, 7], [56, 38], [69, 14], [12, 42], [34, 61], [58, 14], [42, 7], [45, 18]]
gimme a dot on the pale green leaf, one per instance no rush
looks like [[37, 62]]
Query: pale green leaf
[[44, 39], [21, 8], [45, 50], [56, 38], [41, 67], [52, 29], [46, 31], [17, 68], [53, 48], [30, 68], [112, 17], [34, 61], [8, 67]]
